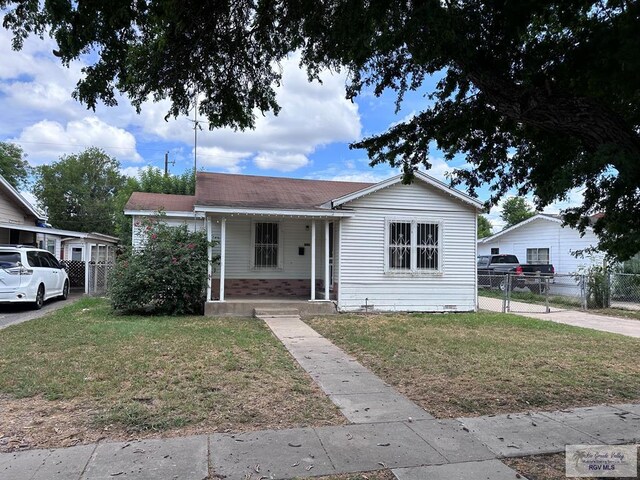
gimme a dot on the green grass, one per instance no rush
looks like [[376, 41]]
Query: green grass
[[486, 363], [617, 312], [142, 374]]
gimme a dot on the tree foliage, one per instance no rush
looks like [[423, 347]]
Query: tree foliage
[[167, 277], [151, 180], [515, 210], [13, 166], [78, 192], [484, 227], [539, 96]]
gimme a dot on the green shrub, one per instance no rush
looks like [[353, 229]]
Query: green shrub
[[168, 276], [598, 288]]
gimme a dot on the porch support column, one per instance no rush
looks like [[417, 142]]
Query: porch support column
[[326, 260], [223, 241], [313, 259], [209, 256]]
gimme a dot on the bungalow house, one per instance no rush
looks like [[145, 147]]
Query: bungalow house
[[21, 223], [543, 239], [355, 246]]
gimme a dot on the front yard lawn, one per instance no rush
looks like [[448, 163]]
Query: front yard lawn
[[471, 364], [83, 373]]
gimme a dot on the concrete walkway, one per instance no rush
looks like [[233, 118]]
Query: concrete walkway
[[361, 396], [604, 323]]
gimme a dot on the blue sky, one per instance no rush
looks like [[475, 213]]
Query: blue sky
[[308, 139]]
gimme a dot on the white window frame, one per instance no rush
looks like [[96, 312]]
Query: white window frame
[[414, 270], [252, 253], [81, 252], [537, 254]]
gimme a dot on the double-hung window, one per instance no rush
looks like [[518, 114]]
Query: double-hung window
[[537, 255], [267, 251], [413, 246]]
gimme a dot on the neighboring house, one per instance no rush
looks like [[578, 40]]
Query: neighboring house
[[386, 246], [543, 239], [21, 223]]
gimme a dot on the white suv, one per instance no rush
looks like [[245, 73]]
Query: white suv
[[32, 275]]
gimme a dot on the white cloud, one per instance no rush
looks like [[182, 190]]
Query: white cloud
[[47, 140], [220, 158], [312, 115], [133, 172], [36, 89], [284, 162]]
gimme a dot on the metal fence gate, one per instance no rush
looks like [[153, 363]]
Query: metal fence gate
[[99, 278], [531, 293]]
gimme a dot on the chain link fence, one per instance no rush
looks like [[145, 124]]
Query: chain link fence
[[540, 293]]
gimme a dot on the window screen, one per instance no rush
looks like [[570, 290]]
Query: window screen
[[266, 245]]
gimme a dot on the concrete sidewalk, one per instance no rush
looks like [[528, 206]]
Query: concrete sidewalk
[[464, 449], [622, 326]]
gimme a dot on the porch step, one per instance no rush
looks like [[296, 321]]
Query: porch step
[[270, 312]]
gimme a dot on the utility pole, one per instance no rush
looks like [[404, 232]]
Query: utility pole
[[166, 164]]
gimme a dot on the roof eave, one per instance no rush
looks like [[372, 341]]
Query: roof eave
[[21, 200], [522, 224], [285, 212], [157, 212], [398, 178]]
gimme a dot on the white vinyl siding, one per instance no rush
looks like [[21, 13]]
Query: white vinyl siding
[[295, 233], [363, 276], [137, 231], [547, 234], [10, 212]]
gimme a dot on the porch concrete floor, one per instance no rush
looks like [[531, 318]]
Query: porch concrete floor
[[246, 306]]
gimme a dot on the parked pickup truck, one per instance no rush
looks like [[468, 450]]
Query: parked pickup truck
[[493, 270]]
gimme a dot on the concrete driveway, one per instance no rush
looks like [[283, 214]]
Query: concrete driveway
[[14, 314], [577, 318]]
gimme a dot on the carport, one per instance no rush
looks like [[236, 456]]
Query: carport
[[90, 269]]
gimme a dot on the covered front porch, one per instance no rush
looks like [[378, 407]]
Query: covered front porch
[[273, 259]]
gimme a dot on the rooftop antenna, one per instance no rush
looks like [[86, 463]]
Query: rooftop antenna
[[196, 126]]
